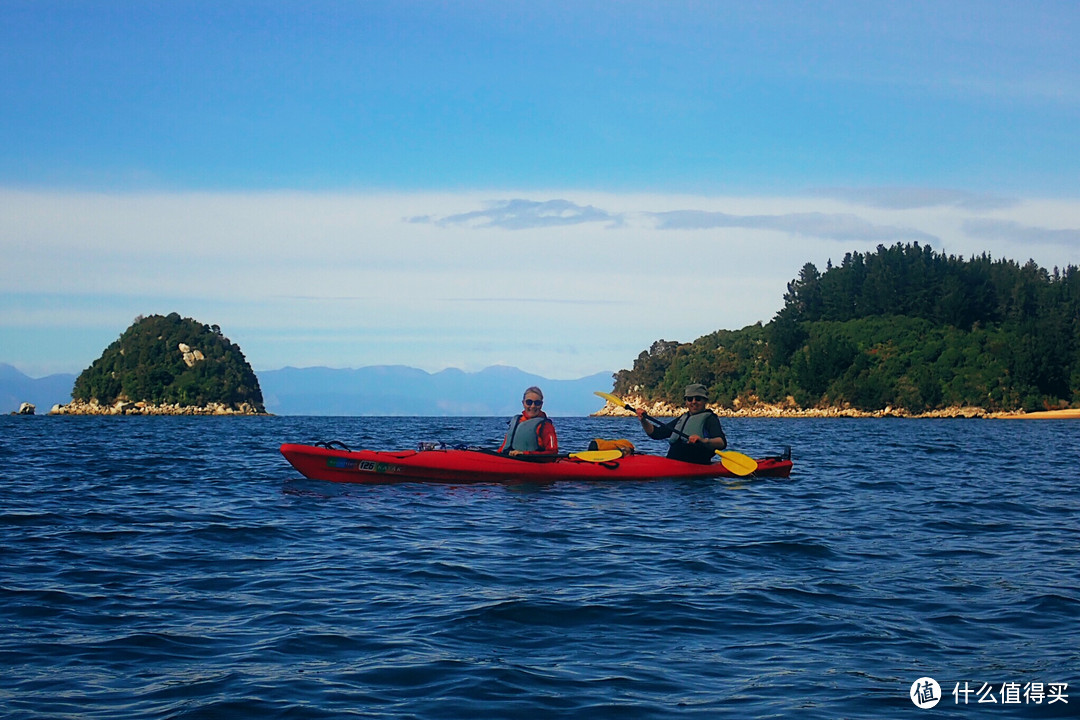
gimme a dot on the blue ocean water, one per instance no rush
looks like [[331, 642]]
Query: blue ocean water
[[180, 568]]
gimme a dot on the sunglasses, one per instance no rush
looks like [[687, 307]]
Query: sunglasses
[[695, 398], [533, 403]]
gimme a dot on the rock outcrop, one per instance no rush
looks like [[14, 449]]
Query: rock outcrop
[[790, 409], [124, 407], [191, 356]]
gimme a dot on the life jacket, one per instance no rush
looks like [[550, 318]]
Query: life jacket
[[523, 435], [680, 449], [688, 424]]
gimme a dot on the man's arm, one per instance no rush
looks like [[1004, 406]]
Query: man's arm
[[656, 432]]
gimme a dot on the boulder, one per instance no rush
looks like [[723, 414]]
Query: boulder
[[191, 356]]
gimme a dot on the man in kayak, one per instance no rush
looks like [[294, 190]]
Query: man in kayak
[[531, 432], [696, 435]]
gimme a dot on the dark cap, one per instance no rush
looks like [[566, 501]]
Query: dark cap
[[696, 390]]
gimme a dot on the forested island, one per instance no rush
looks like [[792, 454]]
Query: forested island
[[168, 365], [902, 331]]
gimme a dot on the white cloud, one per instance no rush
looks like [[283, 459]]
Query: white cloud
[[913, 198], [829, 226], [563, 288], [1014, 232]]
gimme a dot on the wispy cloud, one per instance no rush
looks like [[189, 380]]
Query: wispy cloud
[[541, 301], [914, 198], [520, 214], [841, 227], [1010, 231]]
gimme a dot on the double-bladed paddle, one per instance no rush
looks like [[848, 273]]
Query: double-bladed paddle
[[736, 462]]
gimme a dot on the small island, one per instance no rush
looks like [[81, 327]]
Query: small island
[[902, 332], [167, 365]]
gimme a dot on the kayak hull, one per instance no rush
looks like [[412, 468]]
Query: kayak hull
[[477, 466]]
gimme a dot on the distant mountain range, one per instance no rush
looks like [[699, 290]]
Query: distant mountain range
[[376, 390], [16, 388], [401, 390]]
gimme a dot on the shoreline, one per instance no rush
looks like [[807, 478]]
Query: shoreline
[[145, 408], [762, 410]]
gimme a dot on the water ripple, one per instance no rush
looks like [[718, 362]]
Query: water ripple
[[178, 568]]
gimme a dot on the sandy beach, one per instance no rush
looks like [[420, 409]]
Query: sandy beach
[[1044, 415]]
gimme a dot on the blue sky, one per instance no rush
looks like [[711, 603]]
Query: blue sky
[[547, 185]]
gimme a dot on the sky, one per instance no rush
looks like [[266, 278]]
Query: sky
[[548, 185]]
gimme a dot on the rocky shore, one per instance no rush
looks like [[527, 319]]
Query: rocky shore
[[791, 410], [78, 407]]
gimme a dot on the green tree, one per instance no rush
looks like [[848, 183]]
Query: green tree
[[903, 326]]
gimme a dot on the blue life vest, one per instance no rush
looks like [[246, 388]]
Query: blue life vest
[[688, 424], [680, 449], [523, 435]]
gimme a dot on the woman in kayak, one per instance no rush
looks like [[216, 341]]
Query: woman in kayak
[[531, 432], [696, 435]]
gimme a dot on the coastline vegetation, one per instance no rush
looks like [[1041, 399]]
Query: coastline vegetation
[[905, 327], [169, 360]]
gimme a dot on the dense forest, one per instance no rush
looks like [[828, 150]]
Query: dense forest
[[148, 364], [904, 327]]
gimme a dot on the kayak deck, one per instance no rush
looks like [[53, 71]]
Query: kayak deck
[[331, 464]]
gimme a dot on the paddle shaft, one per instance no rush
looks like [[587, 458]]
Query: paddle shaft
[[645, 416]]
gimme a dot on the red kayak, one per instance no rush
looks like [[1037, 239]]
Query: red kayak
[[319, 462]]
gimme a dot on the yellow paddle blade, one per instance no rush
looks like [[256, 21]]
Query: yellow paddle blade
[[611, 399], [736, 462], [597, 455]]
